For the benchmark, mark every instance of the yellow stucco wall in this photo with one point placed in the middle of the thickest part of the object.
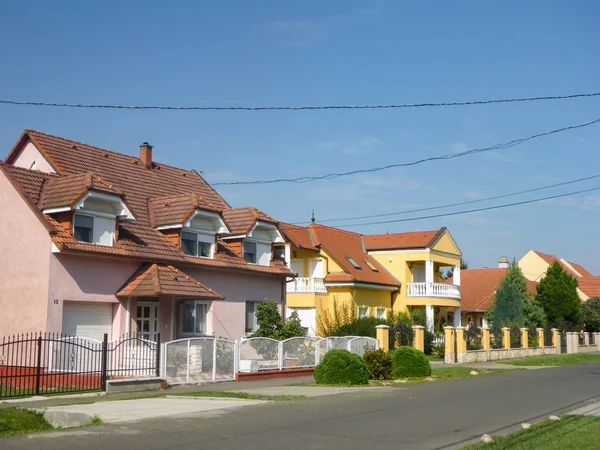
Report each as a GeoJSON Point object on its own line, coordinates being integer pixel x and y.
{"type": "Point", "coordinates": [447, 245]}
{"type": "Point", "coordinates": [305, 256]}
{"type": "Point", "coordinates": [532, 266]}
{"type": "Point", "coordinates": [306, 300]}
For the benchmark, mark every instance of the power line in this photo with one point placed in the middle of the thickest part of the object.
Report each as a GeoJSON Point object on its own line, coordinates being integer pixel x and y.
{"type": "Point", "coordinates": [469, 202]}
{"type": "Point", "coordinates": [330, 176]}
{"type": "Point", "coordinates": [468, 211]}
{"type": "Point", "coordinates": [296, 108]}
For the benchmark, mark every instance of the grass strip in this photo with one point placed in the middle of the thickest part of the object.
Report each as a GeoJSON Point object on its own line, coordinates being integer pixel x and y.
{"type": "Point", "coordinates": [21, 421]}
{"type": "Point", "coordinates": [555, 360]}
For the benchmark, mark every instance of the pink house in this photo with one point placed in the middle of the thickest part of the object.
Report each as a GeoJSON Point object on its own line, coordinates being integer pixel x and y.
{"type": "Point", "coordinates": [98, 242]}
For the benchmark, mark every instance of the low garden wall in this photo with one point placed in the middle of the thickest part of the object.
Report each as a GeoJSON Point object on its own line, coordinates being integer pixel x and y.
{"type": "Point", "coordinates": [472, 356]}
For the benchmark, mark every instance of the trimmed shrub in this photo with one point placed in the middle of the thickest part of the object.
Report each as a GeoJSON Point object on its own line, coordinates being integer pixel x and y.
{"type": "Point", "coordinates": [410, 363]}
{"type": "Point", "coordinates": [365, 326]}
{"type": "Point", "coordinates": [380, 364]}
{"type": "Point", "coordinates": [342, 367]}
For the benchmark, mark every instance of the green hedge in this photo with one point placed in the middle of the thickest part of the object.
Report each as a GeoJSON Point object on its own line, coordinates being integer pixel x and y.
{"type": "Point", "coordinates": [342, 367]}
{"type": "Point", "coordinates": [410, 363]}
{"type": "Point", "coordinates": [380, 364]}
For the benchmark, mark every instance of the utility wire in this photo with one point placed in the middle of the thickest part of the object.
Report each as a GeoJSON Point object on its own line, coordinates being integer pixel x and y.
{"type": "Point", "coordinates": [297, 108]}
{"type": "Point", "coordinates": [330, 176]}
{"type": "Point", "coordinates": [469, 202]}
{"type": "Point", "coordinates": [457, 213]}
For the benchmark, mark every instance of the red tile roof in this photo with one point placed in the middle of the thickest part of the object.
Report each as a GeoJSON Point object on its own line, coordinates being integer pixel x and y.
{"type": "Point", "coordinates": [299, 236]}
{"type": "Point", "coordinates": [341, 245]}
{"type": "Point", "coordinates": [590, 286]}
{"type": "Point", "coordinates": [137, 239]}
{"type": "Point", "coordinates": [176, 209]}
{"type": "Point", "coordinates": [477, 288]}
{"type": "Point", "coordinates": [397, 241]}
{"type": "Point", "coordinates": [152, 280]}
{"type": "Point", "coordinates": [581, 270]}
{"type": "Point", "coordinates": [549, 259]}
{"type": "Point", "coordinates": [242, 220]}
{"type": "Point", "coordinates": [68, 190]}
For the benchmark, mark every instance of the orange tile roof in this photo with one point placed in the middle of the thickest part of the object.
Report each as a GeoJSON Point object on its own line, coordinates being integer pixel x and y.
{"type": "Point", "coordinates": [397, 241]}
{"type": "Point", "coordinates": [581, 270]}
{"type": "Point", "coordinates": [340, 245]}
{"type": "Point", "coordinates": [297, 235]}
{"type": "Point", "coordinates": [68, 190]}
{"type": "Point", "coordinates": [242, 220]}
{"type": "Point", "coordinates": [137, 239]}
{"type": "Point", "coordinates": [176, 209]}
{"type": "Point", "coordinates": [158, 279]}
{"type": "Point", "coordinates": [549, 259]}
{"type": "Point", "coordinates": [477, 288]}
{"type": "Point", "coordinates": [590, 286]}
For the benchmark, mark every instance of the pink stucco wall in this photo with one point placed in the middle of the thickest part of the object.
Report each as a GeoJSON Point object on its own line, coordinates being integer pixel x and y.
{"type": "Point", "coordinates": [30, 154]}
{"type": "Point", "coordinates": [25, 247]}
{"type": "Point", "coordinates": [227, 317]}
{"type": "Point", "coordinates": [87, 279]}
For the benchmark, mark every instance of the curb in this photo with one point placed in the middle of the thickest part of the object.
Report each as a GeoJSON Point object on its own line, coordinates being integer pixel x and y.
{"type": "Point", "coordinates": [65, 419]}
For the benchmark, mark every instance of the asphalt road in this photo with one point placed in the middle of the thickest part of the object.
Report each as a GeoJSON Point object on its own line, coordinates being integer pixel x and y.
{"type": "Point", "coordinates": [430, 416]}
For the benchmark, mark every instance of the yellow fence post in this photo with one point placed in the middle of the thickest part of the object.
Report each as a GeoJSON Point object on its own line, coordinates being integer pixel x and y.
{"type": "Point", "coordinates": [541, 337]}
{"type": "Point", "coordinates": [524, 338]}
{"type": "Point", "coordinates": [449, 338]}
{"type": "Point", "coordinates": [383, 337]}
{"type": "Point", "coordinates": [419, 337]}
{"type": "Point", "coordinates": [555, 340]}
{"type": "Point", "coordinates": [506, 338]}
{"type": "Point", "coordinates": [485, 338]}
{"type": "Point", "coordinates": [461, 343]}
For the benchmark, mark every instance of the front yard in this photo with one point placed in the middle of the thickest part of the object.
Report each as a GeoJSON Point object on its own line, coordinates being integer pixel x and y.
{"type": "Point", "coordinates": [20, 421]}
{"type": "Point", "coordinates": [556, 360]}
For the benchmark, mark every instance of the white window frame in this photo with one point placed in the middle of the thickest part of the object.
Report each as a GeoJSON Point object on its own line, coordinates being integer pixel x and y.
{"type": "Point", "coordinates": [379, 310]}
{"type": "Point", "coordinates": [258, 254]}
{"type": "Point", "coordinates": [363, 311]}
{"type": "Point", "coordinates": [94, 216]}
{"type": "Point", "coordinates": [208, 304]}
{"type": "Point", "coordinates": [255, 302]}
{"type": "Point", "coordinates": [201, 237]}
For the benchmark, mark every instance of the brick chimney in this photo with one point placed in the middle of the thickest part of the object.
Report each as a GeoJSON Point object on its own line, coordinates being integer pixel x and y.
{"type": "Point", "coordinates": [146, 155]}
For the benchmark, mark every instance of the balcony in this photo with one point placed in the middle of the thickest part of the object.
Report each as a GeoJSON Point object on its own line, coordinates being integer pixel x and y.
{"type": "Point", "coordinates": [306, 286]}
{"type": "Point", "coordinates": [440, 290]}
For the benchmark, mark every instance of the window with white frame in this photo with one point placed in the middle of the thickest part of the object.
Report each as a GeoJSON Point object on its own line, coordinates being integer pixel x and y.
{"type": "Point", "coordinates": [251, 323]}
{"type": "Point", "coordinates": [197, 244]}
{"type": "Point", "coordinates": [94, 229]}
{"type": "Point", "coordinates": [256, 252]}
{"type": "Point", "coordinates": [363, 311]}
{"type": "Point", "coordinates": [193, 317]}
{"type": "Point", "coordinates": [381, 313]}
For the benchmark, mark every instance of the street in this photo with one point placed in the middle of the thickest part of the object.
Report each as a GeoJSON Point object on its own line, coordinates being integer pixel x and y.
{"type": "Point", "coordinates": [430, 416]}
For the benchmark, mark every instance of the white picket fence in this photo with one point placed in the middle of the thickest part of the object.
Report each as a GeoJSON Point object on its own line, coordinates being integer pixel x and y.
{"type": "Point", "coordinates": [197, 360]}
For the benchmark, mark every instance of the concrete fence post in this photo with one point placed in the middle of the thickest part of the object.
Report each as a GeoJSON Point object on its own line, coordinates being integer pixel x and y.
{"type": "Point", "coordinates": [461, 343]}
{"type": "Point", "coordinates": [541, 338]}
{"type": "Point", "coordinates": [449, 340]}
{"type": "Point", "coordinates": [572, 342]}
{"type": "Point", "coordinates": [419, 337]}
{"type": "Point", "coordinates": [383, 337]}
{"type": "Point", "coordinates": [485, 338]}
{"type": "Point", "coordinates": [506, 338]}
{"type": "Point", "coordinates": [524, 338]}
{"type": "Point", "coordinates": [586, 339]}
{"type": "Point", "coordinates": [597, 340]}
{"type": "Point", "coordinates": [555, 339]}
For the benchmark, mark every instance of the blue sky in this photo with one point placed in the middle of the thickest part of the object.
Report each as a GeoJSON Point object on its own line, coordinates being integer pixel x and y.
{"type": "Point", "coordinates": [334, 52]}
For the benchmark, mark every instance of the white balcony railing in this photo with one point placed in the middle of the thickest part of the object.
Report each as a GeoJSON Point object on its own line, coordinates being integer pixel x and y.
{"type": "Point", "coordinates": [306, 286]}
{"type": "Point", "coordinates": [432, 290]}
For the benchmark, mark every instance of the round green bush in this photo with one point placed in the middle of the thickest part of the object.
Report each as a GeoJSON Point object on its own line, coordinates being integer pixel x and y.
{"type": "Point", "coordinates": [342, 367]}
{"type": "Point", "coordinates": [410, 363]}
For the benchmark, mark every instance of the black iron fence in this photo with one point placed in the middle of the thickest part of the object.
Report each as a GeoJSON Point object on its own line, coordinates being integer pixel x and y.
{"type": "Point", "coordinates": [548, 333]}
{"type": "Point", "coordinates": [401, 335]}
{"type": "Point", "coordinates": [50, 363]}
{"type": "Point", "coordinates": [473, 338]}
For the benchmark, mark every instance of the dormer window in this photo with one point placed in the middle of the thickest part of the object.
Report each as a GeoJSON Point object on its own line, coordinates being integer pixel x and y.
{"type": "Point", "coordinates": [250, 251]}
{"type": "Point", "coordinates": [83, 228]}
{"type": "Point", "coordinates": [197, 244]}
{"type": "Point", "coordinates": [94, 229]}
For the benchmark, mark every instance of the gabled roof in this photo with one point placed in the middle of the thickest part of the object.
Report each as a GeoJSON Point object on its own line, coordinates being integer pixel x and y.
{"type": "Point", "coordinates": [176, 209]}
{"type": "Point", "coordinates": [549, 259]}
{"type": "Point", "coordinates": [341, 245]}
{"type": "Point", "coordinates": [400, 241]}
{"type": "Point", "coordinates": [590, 286]}
{"type": "Point", "coordinates": [297, 235]}
{"type": "Point", "coordinates": [152, 280]}
{"type": "Point", "coordinates": [582, 271]}
{"type": "Point", "coordinates": [123, 173]}
{"type": "Point", "coordinates": [477, 288]}
{"type": "Point", "coordinates": [68, 190]}
{"type": "Point", "coordinates": [241, 220]}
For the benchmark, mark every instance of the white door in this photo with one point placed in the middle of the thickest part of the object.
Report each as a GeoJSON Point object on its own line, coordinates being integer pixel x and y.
{"type": "Point", "coordinates": [147, 320]}
{"type": "Point", "coordinates": [297, 266]}
{"type": "Point", "coordinates": [87, 319]}
{"type": "Point", "coordinates": [316, 268]}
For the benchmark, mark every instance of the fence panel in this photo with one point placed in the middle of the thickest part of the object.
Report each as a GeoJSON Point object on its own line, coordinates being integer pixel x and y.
{"type": "Point", "coordinates": [548, 337]}
{"type": "Point", "coordinates": [299, 352]}
{"type": "Point", "coordinates": [563, 342]}
{"type": "Point", "coordinates": [258, 354]}
{"type": "Point", "coordinates": [197, 360]}
{"type": "Point", "coordinates": [337, 343]}
{"type": "Point", "coordinates": [473, 338]}
{"type": "Point", "coordinates": [132, 357]}
{"type": "Point", "coordinates": [359, 345]}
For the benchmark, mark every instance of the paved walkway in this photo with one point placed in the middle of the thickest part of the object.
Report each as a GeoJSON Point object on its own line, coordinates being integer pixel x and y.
{"type": "Point", "coordinates": [592, 409]}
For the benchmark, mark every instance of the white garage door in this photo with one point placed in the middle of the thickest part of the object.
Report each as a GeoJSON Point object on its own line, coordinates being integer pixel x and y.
{"type": "Point", "coordinates": [85, 319]}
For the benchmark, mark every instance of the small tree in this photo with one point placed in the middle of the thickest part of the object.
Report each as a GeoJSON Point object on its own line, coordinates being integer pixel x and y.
{"type": "Point", "coordinates": [270, 324]}
{"type": "Point", "coordinates": [508, 306]}
{"type": "Point", "coordinates": [590, 314]}
{"type": "Point", "coordinates": [557, 293]}
{"type": "Point", "coordinates": [342, 313]}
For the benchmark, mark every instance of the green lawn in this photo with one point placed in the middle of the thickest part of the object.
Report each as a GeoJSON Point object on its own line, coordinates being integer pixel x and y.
{"type": "Point", "coordinates": [570, 433]}
{"type": "Point", "coordinates": [434, 358]}
{"type": "Point", "coordinates": [21, 421]}
{"type": "Point", "coordinates": [556, 360]}
{"type": "Point", "coordinates": [242, 395]}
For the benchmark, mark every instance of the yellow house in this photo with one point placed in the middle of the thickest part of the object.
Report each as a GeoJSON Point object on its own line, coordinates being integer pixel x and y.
{"type": "Point", "coordinates": [383, 274]}
{"type": "Point", "coordinates": [534, 265]}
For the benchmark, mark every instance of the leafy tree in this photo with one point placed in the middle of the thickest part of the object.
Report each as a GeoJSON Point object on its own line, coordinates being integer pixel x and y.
{"type": "Point", "coordinates": [341, 313]}
{"type": "Point", "coordinates": [533, 314]}
{"type": "Point", "coordinates": [557, 293]}
{"type": "Point", "coordinates": [270, 324]}
{"type": "Point", "coordinates": [590, 314]}
{"type": "Point", "coordinates": [508, 306]}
